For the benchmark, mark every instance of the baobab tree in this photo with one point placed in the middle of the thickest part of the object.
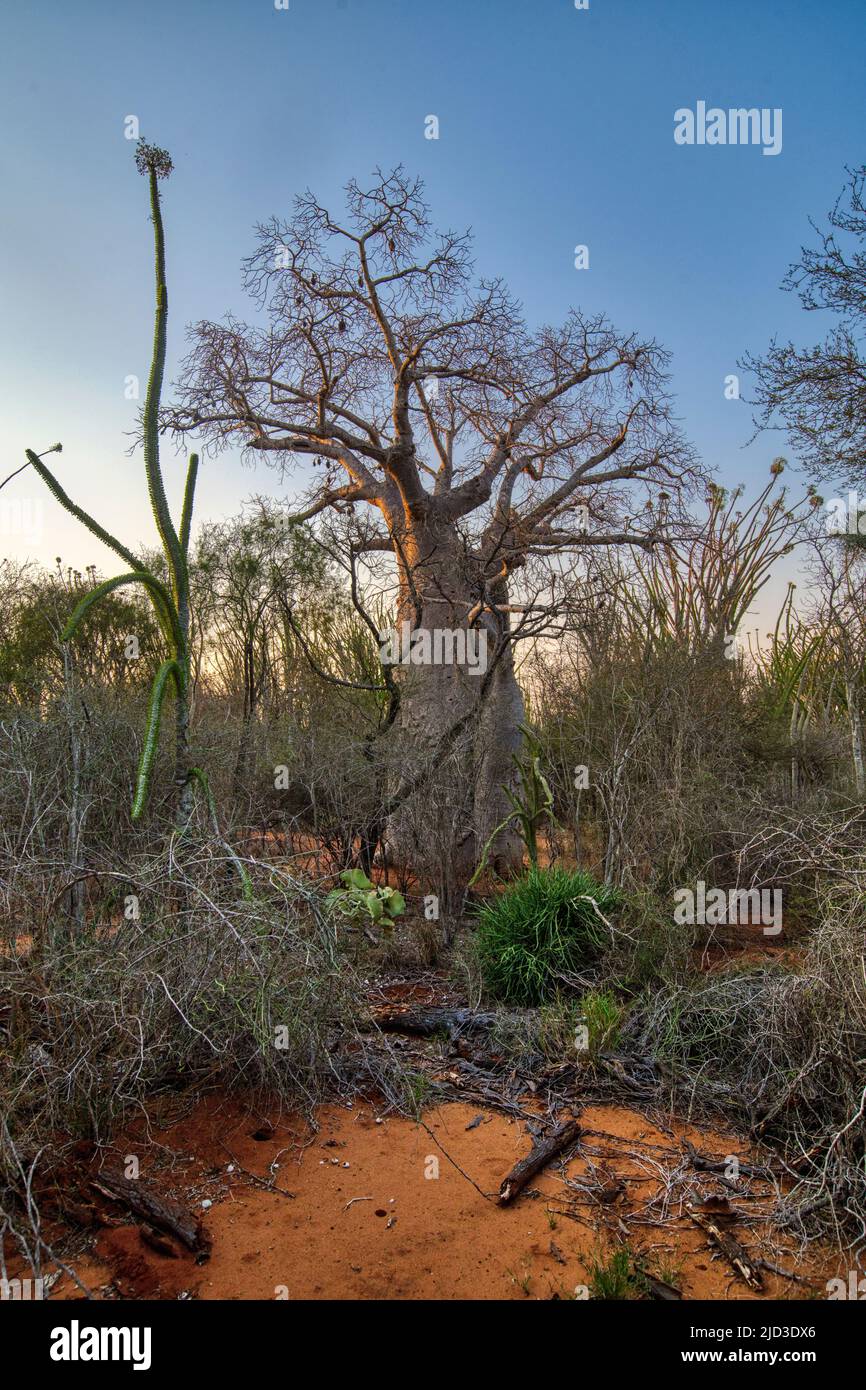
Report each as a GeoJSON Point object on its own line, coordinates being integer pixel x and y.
{"type": "Point", "coordinates": [481, 455]}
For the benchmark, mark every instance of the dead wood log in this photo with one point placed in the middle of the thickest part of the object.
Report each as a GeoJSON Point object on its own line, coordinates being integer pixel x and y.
{"type": "Point", "coordinates": [719, 1165]}
{"type": "Point", "coordinates": [660, 1290]}
{"type": "Point", "coordinates": [543, 1150]}
{"type": "Point", "coordinates": [161, 1212]}
{"type": "Point", "coordinates": [634, 1074]}
{"type": "Point", "coordinates": [424, 1023]}
{"type": "Point", "coordinates": [730, 1248]}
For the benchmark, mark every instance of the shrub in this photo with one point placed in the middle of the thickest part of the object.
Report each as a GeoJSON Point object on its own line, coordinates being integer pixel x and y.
{"type": "Point", "coordinates": [779, 1047]}
{"type": "Point", "coordinates": [360, 900]}
{"type": "Point", "coordinates": [204, 990]}
{"type": "Point", "coordinates": [556, 1034]}
{"type": "Point", "coordinates": [656, 948]}
{"type": "Point", "coordinates": [588, 1025]}
{"type": "Point", "coordinates": [539, 931]}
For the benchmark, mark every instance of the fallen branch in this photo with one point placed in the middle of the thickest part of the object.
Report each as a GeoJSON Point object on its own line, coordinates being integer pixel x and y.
{"type": "Point", "coordinates": [542, 1153]}
{"type": "Point", "coordinates": [425, 1023]}
{"type": "Point", "coordinates": [659, 1288]}
{"type": "Point", "coordinates": [254, 1177]}
{"type": "Point", "coordinates": [782, 1273]}
{"type": "Point", "coordinates": [640, 1080]}
{"type": "Point", "coordinates": [730, 1248]}
{"type": "Point", "coordinates": [720, 1165]}
{"type": "Point", "coordinates": [151, 1236]}
{"type": "Point", "coordinates": [160, 1212]}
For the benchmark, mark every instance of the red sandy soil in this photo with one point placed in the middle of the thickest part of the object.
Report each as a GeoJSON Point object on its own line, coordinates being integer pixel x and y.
{"type": "Point", "coordinates": [411, 1236]}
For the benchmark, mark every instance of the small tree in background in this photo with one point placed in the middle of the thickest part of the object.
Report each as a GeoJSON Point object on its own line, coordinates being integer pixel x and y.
{"type": "Point", "coordinates": [818, 394]}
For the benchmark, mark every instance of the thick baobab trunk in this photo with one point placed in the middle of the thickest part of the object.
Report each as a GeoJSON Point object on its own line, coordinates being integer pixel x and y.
{"type": "Point", "coordinates": [458, 726]}
{"type": "Point", "coordinates": [499, 741]}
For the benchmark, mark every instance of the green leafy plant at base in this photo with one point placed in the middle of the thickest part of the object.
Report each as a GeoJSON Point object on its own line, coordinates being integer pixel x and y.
{"type": "Point", "coordinates": [532, 804]}
{"type": "Point", "coordinates": [558, 1022]}
{"type": "Point", "coordinates": [361, 900]}
{"type": "Point", "coordinates": [419, 1089]}
{"type": "Point", "coordinates": [539, 930]}
{"type": "Point", "coordinates": [170, 600]}
{"type": "Point", "coordinates": [591, 1024]}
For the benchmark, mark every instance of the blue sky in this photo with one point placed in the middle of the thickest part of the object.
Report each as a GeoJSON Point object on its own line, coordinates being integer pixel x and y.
{"type": "Point", "coordinates": [556, 128]}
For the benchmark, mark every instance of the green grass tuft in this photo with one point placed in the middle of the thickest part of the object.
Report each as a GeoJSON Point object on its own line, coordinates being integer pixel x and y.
{"type": "Point", "coordinates": [612, 1275]}
{"type": "Point", "coordinates": [540, 930]}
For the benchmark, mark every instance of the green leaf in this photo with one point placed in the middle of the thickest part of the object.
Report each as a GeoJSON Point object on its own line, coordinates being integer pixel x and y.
{"type": "Point", "coordinates": [394, 902]}
{"type": "Point", "coordinates": [356, 878]}
{"type": "Point", "coordinates": [374, 905]}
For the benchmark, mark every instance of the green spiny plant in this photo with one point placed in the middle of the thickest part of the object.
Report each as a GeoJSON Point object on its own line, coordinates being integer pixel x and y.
{"type": "Point", "coordinates": [170, 601]}
{"type": "Point", "coordinates": [532, 804]}
{"type": "Point", "coordinates": [698, 588]}
{"type": "Point", "coordinates": [792, 675]}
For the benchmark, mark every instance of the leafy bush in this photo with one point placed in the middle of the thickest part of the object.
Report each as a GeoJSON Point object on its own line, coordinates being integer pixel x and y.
{"type": "Point", "coordinates": [540, 930]}
{"type": "Point", "coordinates": [361, 901]}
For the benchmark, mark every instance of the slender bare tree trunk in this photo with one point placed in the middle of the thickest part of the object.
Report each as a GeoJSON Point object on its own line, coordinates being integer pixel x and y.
{"type": "Point", "coordinates": [855, 723]}
{"type": "Point", "coordinates": [75, 813]}
{"type": "Point", "coordinates": [795, 761]}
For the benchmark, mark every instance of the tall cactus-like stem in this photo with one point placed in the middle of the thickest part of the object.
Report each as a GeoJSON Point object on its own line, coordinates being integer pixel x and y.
{"type": "Point", "coordinates": [157, 165]}
{"type": "Point", "coordinates": [171, 603]}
